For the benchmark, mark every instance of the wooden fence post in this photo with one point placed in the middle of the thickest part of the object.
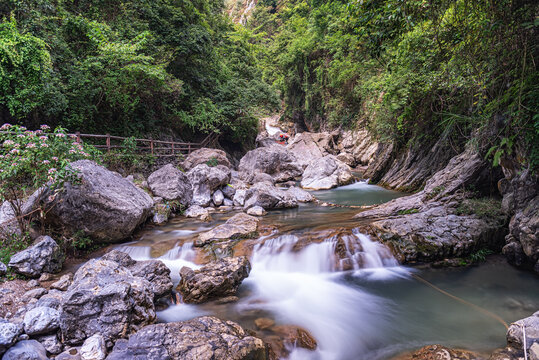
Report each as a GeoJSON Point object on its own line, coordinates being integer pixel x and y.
{"type": "Point", "coordinates": [173, 150]}
{"type": "Point", "coordinates": [108, 142]}
{"type": "Point", "coordinates": [151, 146]}
{"type": "Point", "coordinates": [77, 134]}
{"type": "Point", "coordinates": [189, 149]}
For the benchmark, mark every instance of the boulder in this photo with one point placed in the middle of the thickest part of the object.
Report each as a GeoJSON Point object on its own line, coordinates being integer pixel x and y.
{"type": "Point", "coordinates": [326, 173]}
{"type": "Point", "coordinates": [205, 180]}
{"type": "Point", "coordinates": [93, 348]}
{"type": "Point", "coordinates": [276, 161]}
{"type": "Point", "coordinates": [8, 221]}
{"type": "Point", "coordinates": [9, 334]}
{"type": "Point", "coordinates": [256, 211]}
{"type": "Point", "coordinates": [347, 158]}
{"type": "Point", "coordinates": [308, 147]}
{"type": "Point", "coordinates": [515, 334]}
{"type": "Point", "coordinates": [206, 156]}
{"type": "Point", "coordinates": [41, 320]}
{"type": "Point", "coordinates": [104, 206]}
{"type": "Point", "coordinates": [26, 350]}
{"type": "Point", "coordinates": [300, 195]}
{"type": "Point", "coordinates": [239, 226]}
{"type": "Point", "coordinates": [44, 256]}
{"type": "Point", "coordinates": [229, 191]}
{"type": "Point", "coordinates": [51, 343]}
{"type": "Point", "coordinates": [170, 183]}
{"type": "Point", "coordinates": [268, 196]}
{"type": "Point", "coordinates": [438, 352]}
{"type": "Point", "coordinates": [216, 279]}
{"type": "Point", "coordinates": [289, 337]}
{"type": "Point", "coordinates": [155, 271]}
{"type": "Point", "coordinates": [196, 211]}
{"type": "Point", "coordinates": [105, 298]}
{"type": "Point", "coordinates": [261, 177]}
{"type": "Point", "coordinates": [218, 198]}
{"type": "Point", "coordinates": [52, 299]}
{"type": "Point", "coordinates": [200, 338]}
{"type": "Point", "coordinates": [239, 197]}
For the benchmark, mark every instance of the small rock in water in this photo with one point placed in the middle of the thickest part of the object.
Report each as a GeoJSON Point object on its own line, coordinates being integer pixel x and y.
{"type": "Point", "coordinates": [256, 211]}
{"type": "Point", "coordinates": [264, 323]}
{"type": "Point", "coordinates": [93, 348]}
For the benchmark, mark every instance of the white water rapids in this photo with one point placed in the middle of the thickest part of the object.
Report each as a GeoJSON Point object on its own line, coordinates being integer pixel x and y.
{"type": "Point", "coordinates": [306, 288]}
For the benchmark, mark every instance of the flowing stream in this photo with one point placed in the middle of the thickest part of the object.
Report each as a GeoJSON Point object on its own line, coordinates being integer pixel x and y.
{"type": "Point", "coordinates": [362, 305]}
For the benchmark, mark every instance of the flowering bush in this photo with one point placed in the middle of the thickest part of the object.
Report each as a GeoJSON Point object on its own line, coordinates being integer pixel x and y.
{"type": "Point", "coordinates": [31, 159]}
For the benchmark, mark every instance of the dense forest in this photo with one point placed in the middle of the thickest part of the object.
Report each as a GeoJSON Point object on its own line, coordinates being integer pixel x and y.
{"type": "Point", "coordinates": [410, 71]}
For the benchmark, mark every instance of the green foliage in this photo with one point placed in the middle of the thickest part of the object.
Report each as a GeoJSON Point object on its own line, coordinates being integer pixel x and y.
{"type": "Point", "coordinates": [212, 162]}
{"type": "Point", "coordinates": [12, 244]}
{"type": "Point", "coordinates": [409, 70]}
{"type": "Point", "coordinates": [130, 68]}
{"type": "Point", "coordinates": [408, 211]}
{"type": "Point", "coordinates": [485, 208]}
{"type": "Point", "coordinates": [480, 255]}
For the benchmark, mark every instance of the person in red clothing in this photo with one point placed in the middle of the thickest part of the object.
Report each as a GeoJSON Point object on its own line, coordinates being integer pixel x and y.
{"type": "Point", "coordinates": [283, 139]}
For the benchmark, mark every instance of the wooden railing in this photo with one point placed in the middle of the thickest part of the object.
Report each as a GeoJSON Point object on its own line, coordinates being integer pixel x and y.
{"type": "Point", "coordinates": [159, 148]}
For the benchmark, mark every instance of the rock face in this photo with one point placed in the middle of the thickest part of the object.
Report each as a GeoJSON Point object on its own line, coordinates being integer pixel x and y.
{"type": "Point", "coordinates": [155, 271]}
{"type": "Point", "coordinates": [326, 173]}
{"type": "Point", "coordinates": [276, 161]}
{"type": "Point", "coordinates": [8, 221]}
{"type": "Point", "coordinates": [521, 202]}
{"type": "Point", "coordinates": [307, 146]}
{"type": "Point", "coordinates": [9, 333]}
{"type": "Point", "coordinates": [205, 156]}
{"type": "Point", "coordinates": [26, 350]}
{"type": "Point", "coordinates": [41, 320]}
{"type": "Point", "coordinates": [44, 256]}
{"type": "Point", "coordinates": [105, 298]}
{"type": "Point", "coordinates": [105, 206]}
{"type": "Point", "coordinates": [201, 338]}
{"type": "Point", "coordinates": [205, 180]}
{"type": "Point", "coordinates": [239, 226]}
{"type": "Point", "coordinates": [170, 183]}
{"type": "Point", "coordinates": [429, 226]}
{"type": "Point", "coordinates": [219, 278]}
{"type": "Point", "coordinates": [268, 196]}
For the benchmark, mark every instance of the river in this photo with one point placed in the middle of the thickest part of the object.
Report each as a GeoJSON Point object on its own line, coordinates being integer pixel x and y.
{"type": "Point", "coordinates": [368, 308]}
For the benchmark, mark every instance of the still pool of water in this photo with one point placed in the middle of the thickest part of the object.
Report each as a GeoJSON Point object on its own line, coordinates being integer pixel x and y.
{"type": "Point", "coordinates": [371, 313]}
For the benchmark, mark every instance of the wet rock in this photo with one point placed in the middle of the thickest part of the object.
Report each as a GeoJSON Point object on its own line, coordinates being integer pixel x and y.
{"type": "Point", "coordinates": [93, 348]}
{"type": "Point", "coordinates": [268, 196]}
{"type": "Point", "coordinates": [200, 338]}
{"type": "Point", "coordinates": [8, 221]}
{"type": "Point", "coordinates": [62, 283]}
{"type": "Point", "coordinates": [160, 213]}
{"type": "Point", "coordinates": [515, 333]}
{"type": "Point", "coordinates": [51, 344]}
{"type": "Point", "coordinates": [227, 300]}
{"type": "Point", "coordinates": [218, 197]}
{"type": "Point", "coordinates": [26, 350]}
{"type": "Point", "coordinates": [289, 336]}
{"type": "Point", "coordinates": [155, 271]}
{"type": "Point", "coordinates": [276, 161]}
{"type": "Point", "coordinates": [41, 320]}
{"type": "Point", "coordinates": [326, 173]}
{"type": "Point", "coordinates": [256, 211]}
{"type": "Point", "coordinates": [105, 298]}
{"type": "Point", "coordinates": [438, 352]}
{"type": "Point", "coordinates": [206, 156]}
{"type": "Point", "coordinates": [216, 279]}
{"type": "Point", "coordinates": [196, 211]}
{"type": "Point", "coordinates": [44, 256]}
{"type": "Point", "coordinates": [104, 206]}
{"type": "Point", "coordinates": [239, 226]}
{"type": "Point", "coordinates": [205, 180]}
{"type": "Point", "coordinates": [300, 195]}
{"type": "Point", "coordinates": [228, 203]}
{"type": "Point", "coordinates": [9, 333]}
{"type": "Point", "coordinates": [264, 323]}
{"type": "Point", "coordinates": [170, 183]}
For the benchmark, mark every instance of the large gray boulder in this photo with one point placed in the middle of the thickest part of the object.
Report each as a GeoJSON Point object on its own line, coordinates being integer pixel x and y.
{"type": "Point", "coordinates": [515, 333]}
{"type": "Point", "coordinates": [9, 333]}
{"type": "Point", "coordinates": [300, 195]}
{"type": "Point", "coordinates": [155, 271]}
{"type": "Point", "coordinates": [8, 221]}
{"type": "Point", "coordinates": [170, 183]}
{"type": "Point", "coordinates": [238, 226]}
{"type": "Point", "coordinates": [308, 147]}
{"type": "Point", "coordinates": [105, 298]}
{"type": "Point", "coordinates": [326, 173]}
{"type": "Point", "coordinates": [204, 337]}
{"type": "Point", "coordinates": [206, 156]}
{"type": "Point", "coordinates": [276, 161]}
{"type": "Point", "coordinates": [205, 180]}
{"type": "Point", "coordinates": [268, 196]}
{"type": "Point", "coordinates": [26, 350]}
{"type": "Point", "coordinates": [41, 320]}
{"type": "Point", "coordinates": [104, 206]}
{"type": "Point", "coordinates": [45, 256]}
{"type": "Point", "coordinates": [216, 279]}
